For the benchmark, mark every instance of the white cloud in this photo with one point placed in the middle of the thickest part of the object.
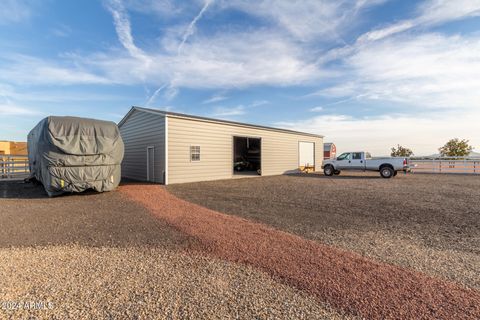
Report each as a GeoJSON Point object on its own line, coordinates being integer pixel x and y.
{"type": "Point", "coordinates": [226, 112]}
{"type": "Point", "coordinates": [316, 109]}
{"type": "Point", "coordinates": [155, 94]}
{"type": "Point", "coordinates": [171, 91]}
{"type": "Point", "coordinates": [431, 12]}
{"type": "Point", "coordinates": [23, 69]}
{"type": "Point", "coordinates": [122, 27]}
{"type": "Point", "coordinates": [14, 11]}
{"type": "Point", "coordinates": [163, 8]}
{"type": "Point", "coordinates": [225, 61]}
{"type": "Point", "coordinates": [423, 133]}
{"type": "Point", "coordinates": [124, 33]}
{"type": "Point", "coordinates": [439, 11]}
{"type": "Point", "coordinates": [14, 110]}
{"type": "Point", "coordinates": [387, 31]}
{"type": "Point", "coordinates": [219, 61]}
{"type": "Point", "coordinates": [61, 31]}
{"type": "Point", "coordinates": [306, 20]}
{"type": "Point", "coordinates": [191, 27]}
{"type": "Point", "coordinates": [215, 98]}
{"type": "Point", "coordinates": [410, 70]}
{"type": "Point", "coordinates": [427, 71]}
{"type": "Point", "coordinates": [221, 112]}
{"type": "Point", "coordinates": [258, 103]}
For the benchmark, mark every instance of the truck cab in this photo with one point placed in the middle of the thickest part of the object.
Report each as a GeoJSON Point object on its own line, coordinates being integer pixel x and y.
{"type": "Point", "coordinates": [352, 160]}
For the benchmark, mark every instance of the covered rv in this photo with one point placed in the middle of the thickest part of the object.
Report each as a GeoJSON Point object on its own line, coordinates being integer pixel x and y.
{"type": "Point", "coordinates": [70, 154]}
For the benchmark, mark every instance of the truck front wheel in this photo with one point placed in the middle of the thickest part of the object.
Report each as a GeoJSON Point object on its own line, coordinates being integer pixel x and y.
{"type": "Point", "coordinates": [386, 172]}
{"type": "Point", "coordinates": [328, 171]}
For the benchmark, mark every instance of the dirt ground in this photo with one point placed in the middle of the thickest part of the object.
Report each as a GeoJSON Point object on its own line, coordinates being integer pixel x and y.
{"type": "Point", "coordinates": [141, 251]}
{"type": "Point", "coordinates": [102, 256]}
{"type": "Point", "coordinates": [343, 279]}
{"type": "Point", "coordinates": [430, 223]}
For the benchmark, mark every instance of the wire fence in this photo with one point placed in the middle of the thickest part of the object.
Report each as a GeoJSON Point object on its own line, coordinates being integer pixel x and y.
{"type": "Point", "coordinates": [14, 167]}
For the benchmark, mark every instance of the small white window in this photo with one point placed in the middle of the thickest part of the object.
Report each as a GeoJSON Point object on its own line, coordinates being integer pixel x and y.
{"type": "Point", "coordinates": [194, 153]}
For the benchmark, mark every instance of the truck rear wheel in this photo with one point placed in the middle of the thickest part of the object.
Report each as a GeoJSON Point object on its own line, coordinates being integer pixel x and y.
{"type": "Point", "coordinates": [386, 172]}
{"type": "Point", "coordinates": [328, 171]}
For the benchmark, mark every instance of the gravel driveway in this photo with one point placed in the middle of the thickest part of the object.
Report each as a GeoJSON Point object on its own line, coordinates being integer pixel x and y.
{"type": "Point", "coordinates": [430, 223]}
{"type": "Point", "coordinates": [345, 280]}
{"type": "Point", "coordinates": [142, 252]}
{"type": "Point", "coordinates": [102, 256]}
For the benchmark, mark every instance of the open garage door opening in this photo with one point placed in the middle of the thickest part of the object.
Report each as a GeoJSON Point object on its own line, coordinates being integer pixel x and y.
{"type": "Point", "coordinates": [247, 156]}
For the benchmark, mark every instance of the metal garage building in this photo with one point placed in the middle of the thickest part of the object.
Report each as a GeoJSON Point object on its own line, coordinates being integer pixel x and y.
{"type": "Point", "coordinates": [167, 147]}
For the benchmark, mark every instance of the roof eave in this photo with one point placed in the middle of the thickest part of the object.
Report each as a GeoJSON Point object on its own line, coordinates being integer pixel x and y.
{"type": "Point", "coordinates": [193, 117]}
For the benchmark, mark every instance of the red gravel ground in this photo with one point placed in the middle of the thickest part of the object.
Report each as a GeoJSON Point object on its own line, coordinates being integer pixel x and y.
{"type": "Point", "coordinates": [343, 279]}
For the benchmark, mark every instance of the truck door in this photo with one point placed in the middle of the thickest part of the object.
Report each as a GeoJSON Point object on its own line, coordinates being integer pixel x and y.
{"type": "Point", "coordinates": [357, 162]}
{"type": "Point", "coordinates": [343, 161]}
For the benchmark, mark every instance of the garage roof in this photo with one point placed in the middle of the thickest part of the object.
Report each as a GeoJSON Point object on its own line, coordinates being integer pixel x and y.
{"type": "Point", "coordinates": [205, 119]}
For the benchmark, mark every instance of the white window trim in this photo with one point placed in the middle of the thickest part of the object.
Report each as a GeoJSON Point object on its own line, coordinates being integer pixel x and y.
{"type": "Point", "coordinates": [199, 153]}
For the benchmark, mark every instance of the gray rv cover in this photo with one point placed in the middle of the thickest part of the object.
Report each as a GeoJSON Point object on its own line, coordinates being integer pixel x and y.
{"type": "Point", "coordinates": [69, 154]}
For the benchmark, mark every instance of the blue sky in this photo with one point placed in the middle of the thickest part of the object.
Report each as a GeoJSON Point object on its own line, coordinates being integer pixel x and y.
{"type": "Point", "coordinates": [367, 74]}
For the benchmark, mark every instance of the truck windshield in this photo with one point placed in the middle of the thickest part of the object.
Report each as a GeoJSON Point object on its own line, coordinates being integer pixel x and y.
{"type": "Point", "coordinates": [343, 156]}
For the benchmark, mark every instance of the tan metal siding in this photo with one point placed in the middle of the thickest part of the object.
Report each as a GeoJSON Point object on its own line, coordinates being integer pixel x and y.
{"type": "Point", "coordinates": [139, 131]}
{"type": "Point", "coordinates": [279, 150]}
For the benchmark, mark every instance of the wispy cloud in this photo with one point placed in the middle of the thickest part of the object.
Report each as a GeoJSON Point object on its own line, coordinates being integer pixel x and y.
{"type": "Point", "coordinates": [61, 31]}
{"type": "Point", "coordinates": [215, 98]}
{"type": "Point", "coordinates": [23, 69]}
{"type": "Point", "coordinates": [316, 109]}
{"type": "Point", "coordinates": [225, 112]}
{"type": "Point", "coordinates": [258, 103]}
{"type": "Point", "coordinates": [14, 11]}
{"type": "Point", "coordinates": [124, 31]}
{"type": "Point", "coordinates": [221, 112]}
{"type": "Point", "coordinates": [153, 97]}
{"type": "Point", "coordinates": [191, 27]}
{"type": "Point", "coordinates": [220, 61]}
{"type": "Point", "coordinates": [171, 90]}
{"type": "Point", "coordinates": [14, 110]}
{"type": "Point", "coordinates": [431, 12]}
{"type": "Point", "coordinates": [319, 19]}
{"type": "Point", "coordinates": [413, 71]}
{"type": "Point", "coordinates": [440, 11]}
{"type": "Point", "coordinates": [387, 31]}
{"type": "Point", "coordinates": [163, 8]}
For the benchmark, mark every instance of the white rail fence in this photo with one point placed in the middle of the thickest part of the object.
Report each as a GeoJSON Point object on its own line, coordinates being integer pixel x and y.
{"type": "Point", "coordinates": [446, 165]}
{"type": "Point", "coordinates": [13, 167]}
{"type": "Point", "coordinates": [16, 166]}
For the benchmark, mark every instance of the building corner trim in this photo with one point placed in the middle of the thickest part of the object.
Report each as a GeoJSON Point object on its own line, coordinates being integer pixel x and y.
{"type": "Point", "coordinates": [166, 151]}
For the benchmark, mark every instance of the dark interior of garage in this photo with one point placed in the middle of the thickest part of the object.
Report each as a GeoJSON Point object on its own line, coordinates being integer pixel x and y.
{"type": "Point", "coordinates": [247, 155]}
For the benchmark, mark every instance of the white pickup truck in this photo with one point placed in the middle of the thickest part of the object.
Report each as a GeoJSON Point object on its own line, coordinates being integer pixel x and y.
{"type": "Point", "coordinates": [363, 161]}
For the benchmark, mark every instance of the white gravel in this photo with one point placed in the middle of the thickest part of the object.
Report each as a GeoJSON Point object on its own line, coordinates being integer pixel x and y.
{"type": "Point", "coordinates": [144, 283]}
